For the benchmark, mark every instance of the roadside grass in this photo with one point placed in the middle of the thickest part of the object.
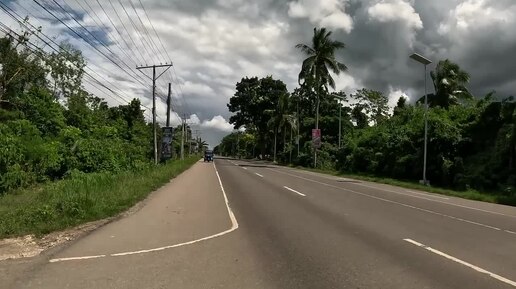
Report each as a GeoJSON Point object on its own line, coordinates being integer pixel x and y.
{"type": "Point", "coordinates": [468, 194]}
{"type": "Point", "coordinates": [81, 198]}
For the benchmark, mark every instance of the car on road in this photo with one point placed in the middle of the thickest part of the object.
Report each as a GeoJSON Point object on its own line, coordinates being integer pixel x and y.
{"type": "Point", "coordinates": [208, 156]}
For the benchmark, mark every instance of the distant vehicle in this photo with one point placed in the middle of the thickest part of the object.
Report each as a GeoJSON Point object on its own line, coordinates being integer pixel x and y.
{"type": "Point", "coordinates": [208, 156]}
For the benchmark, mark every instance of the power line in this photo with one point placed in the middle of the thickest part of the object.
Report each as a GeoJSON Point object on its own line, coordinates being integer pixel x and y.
{"type": "Point", "coordinates": [154, 46]}
{"type": "Point", "coordinates": [37, 51]}
{"type": "Point", "coordinates": [118, 31]}
{"type": "Point", "coordinates": [137, 30]}
{"type": "Point", "coordinates": [94, 37]}
{"type": "Point", "coordinates": [99, 25]}
{"type": "Point", "coordinates": [154, 29]}
{"type": "Point", "coordinates": [3, 7]}
{"type": "Point", "coordinates": [80, 36]}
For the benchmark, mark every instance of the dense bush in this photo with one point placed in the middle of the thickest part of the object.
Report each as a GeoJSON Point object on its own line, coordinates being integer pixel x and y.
{"type": "Point", "coordinates": [51, 128]}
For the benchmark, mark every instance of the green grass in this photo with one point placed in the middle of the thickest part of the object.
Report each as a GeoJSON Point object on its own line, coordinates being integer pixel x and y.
{"type": "Point", "coordinates": [468, 194]}
{"type": "Point", "coordinates": [80, 199]}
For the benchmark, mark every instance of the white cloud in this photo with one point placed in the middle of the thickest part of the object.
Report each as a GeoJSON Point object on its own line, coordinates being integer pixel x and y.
{"type": "Point", "coordinates": [328, 13]}
{"type": "Point", "coordinates": [347, 83]}
{"type": "Point", "coordinates": [197, 88]}
{"type": "Point", "coordinates": [218, 122]}
{"type": "Point", "coordinates": [470, 15]}
{"type": "Point", "coordinates": [193, 120]}
{"type": "Point", "coordinates": [395, 94]}
{"type": "Point", "coordinates": [395, 10]}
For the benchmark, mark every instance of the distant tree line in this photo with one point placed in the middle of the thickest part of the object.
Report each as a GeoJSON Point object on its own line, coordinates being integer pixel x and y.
{"type": "Point", "coordinates": [472, 140]}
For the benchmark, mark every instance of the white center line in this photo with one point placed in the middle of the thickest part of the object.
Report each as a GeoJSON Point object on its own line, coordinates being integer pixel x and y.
{"type": "Point", "coordinates": [244, 168]}
{"type": "Point", "coordinates": [476, 268]}
{"type": "Point", "coordinates": [292, 190]}
{"type": "Point", "coordinates": [258, 175]}
{"type": "Point", "coordinates": [510, 232]}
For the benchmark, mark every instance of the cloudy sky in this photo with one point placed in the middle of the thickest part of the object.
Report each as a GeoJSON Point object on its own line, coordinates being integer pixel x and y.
{"type": "Point", "coordinates": [214, 43]}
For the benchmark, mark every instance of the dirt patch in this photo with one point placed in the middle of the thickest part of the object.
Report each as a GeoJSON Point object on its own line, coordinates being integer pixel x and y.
{"type": "Point", "coordinates": [30, 246]}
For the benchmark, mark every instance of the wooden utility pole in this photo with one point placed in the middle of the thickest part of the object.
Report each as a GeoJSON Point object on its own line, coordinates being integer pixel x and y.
{"type": "Point", "coordinates": [154, 78]}
{"type": "Point", "coordinates": [183, 123]}
{"type": "Point", "coordinates": [168, 103]}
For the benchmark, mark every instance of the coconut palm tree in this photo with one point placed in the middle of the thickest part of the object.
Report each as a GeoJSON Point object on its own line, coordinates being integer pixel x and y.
{"type": "Point", "coordinates": [320, 61]}
{"type": "Point", "coordinates": [449, 83]}
{"type": "Point", "coordinates": [201, 145]}
{"type": "Point", "coordinates": [279, 118]}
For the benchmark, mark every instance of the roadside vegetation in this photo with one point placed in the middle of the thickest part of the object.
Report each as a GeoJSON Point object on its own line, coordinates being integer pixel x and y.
{"type": "Point", "coordinates": [66, 156]}
{"type": "Point", "coordinates": [81, 198]}
{"type": "Point", "coordinates": [472, 139]}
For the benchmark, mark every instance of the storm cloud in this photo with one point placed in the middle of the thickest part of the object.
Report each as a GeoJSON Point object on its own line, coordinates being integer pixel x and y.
{"type": "Point", "coordinates": [213, 44]}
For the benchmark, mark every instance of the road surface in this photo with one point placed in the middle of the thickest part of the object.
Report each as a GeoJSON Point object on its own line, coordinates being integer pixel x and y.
{"type": "Point", "coordinates": [238, 224]}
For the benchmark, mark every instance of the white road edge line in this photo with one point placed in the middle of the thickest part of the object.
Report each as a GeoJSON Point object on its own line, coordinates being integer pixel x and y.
{"type": "Point", "coordinates": [234, 226]}
{"type": "Point", "coordinates": [476, 268]}
{"type": "Point", "coordinates": [292, 190]}
{"type": "Point", "coordinates": [76, 258]}
{"type": "Point", "coordinates": [261, 176]}
{"type": "Point", "coordinates": [429, 195]}
{"type": "Point", "coordinates": [392, 202]}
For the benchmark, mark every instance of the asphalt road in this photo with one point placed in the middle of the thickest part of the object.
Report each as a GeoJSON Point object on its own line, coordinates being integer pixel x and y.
{"type": "Point", "coordinates": [239, 224]}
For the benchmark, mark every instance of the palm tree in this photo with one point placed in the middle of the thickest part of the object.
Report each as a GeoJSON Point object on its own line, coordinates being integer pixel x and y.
{"type": "Point", "coordinates": [316, 68]}
{"type": "Point", "coordinates": [201, 145]}
{"type": "Point", "coordinates": [449, 83]}
{"type": "Point", "coordinates": [278, 119]}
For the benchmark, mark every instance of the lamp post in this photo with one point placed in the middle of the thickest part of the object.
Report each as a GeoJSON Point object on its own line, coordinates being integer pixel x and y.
{"type": "Point", "coordinates": [340, 99]}
{"type": "Point", "coordinates": [425, 61]}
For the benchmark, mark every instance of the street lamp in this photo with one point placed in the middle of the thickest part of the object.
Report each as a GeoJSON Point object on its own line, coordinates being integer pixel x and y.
{"type": "Point", "coordinates": [425, 61]}
{"type": "Point", "coordinates": [340, 99]}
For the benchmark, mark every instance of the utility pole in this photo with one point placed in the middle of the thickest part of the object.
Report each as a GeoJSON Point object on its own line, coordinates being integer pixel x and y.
{"type": "Point", "coordinates": [183, 121]}
{"type": "Point", "coordinates": [168, 103]}
{"type": "Point", "coordinates": [189, 139]}
{"type": "Point", "coordinates": [298, 125]}
{"type": "Point", "coordinates": [154, 78]}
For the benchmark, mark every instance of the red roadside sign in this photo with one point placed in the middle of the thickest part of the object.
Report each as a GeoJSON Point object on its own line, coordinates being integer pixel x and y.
{"type": "Point", "coordinates": [316, 138]}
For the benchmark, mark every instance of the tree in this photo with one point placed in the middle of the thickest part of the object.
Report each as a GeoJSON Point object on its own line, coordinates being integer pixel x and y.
{"type": "Point", "coordinates": [278, 118]}
{"type": "Point", "coordinates": [20, 69]}
{"type": "Point", "coordinates": [315, 71]}
{"type": "Point", "coordinates": [254, 97]}
{"type": "Point", "coordinates": [400, 105]}
{"type": "Point", "coordinates": [374, 103]}
{"type": "Point", "coordinates": [449, 82]}
{"type": "Point", "coordinates": [66, 69]}
{"type": "Point", "coordinates": [358, 115]}
{"type": "Point", "coordinates": [202, 145]}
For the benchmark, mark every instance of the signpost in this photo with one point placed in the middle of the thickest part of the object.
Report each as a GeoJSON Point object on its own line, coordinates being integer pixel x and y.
{"type": "Point", "coordinates": [166, 143]}
{"type": "Point", "coordinates": [316, 138]}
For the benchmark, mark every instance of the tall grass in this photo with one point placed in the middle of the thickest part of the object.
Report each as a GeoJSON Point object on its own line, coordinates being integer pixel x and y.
{"type": "Point", "coordinates": [81, 198]}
